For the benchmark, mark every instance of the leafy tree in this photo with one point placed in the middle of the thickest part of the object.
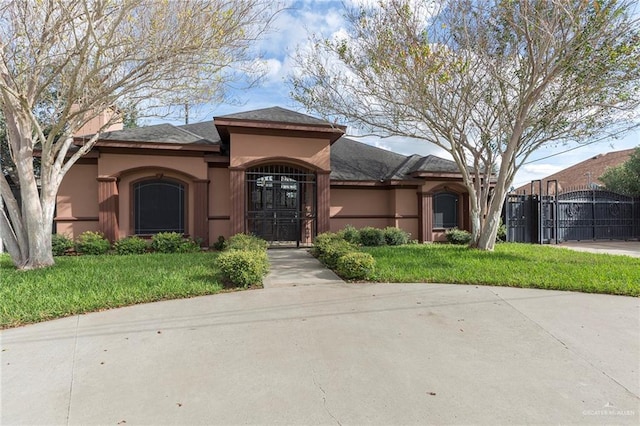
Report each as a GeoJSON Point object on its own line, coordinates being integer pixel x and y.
{"type": "Point", "coordinates": [624, 178]}
{"type": "Point", "coordinates": [69, 61]}
{"type": "Point", "coordinates": [488, 81]}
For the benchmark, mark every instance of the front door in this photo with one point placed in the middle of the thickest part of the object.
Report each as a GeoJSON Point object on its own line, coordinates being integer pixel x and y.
{"type": "Point", "coordinates": [280, 204]}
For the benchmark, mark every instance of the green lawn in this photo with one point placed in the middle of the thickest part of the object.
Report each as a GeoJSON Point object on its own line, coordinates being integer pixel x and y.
{"type": "Point", "coordinates": [513, 265]}
{"type": "Point", "coordinates": [92, 283]}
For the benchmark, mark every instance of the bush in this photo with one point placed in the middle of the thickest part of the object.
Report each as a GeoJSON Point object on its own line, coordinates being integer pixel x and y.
{"type": "Point", "coordinates": [90, 242]}
{"type": "Point", "coordinates": [458, 236]}
{"type": "Point", "coordinates": [189, 245]}
{"type": "Point", "coordinates": [324, 240]}
{"type": "Point", "coordinates": [247, 242]}
{"type": "Point", "coordinates": [60, 244]}
{"type": "Point", "coordinates": [502, 233]}
{"type": "Point", "coordinates": [356, 266]}
{"type": "Point", "coordinates": [351, 234]}
{"type": "Point", "coordinates": [243, 267]}
{"type": "Point", "coordinates": [220, 245]}
{"type": "Point", "coordinates": [166, 242]}
{"type": "Point", "coordinates": [333, 250]}
{"type": "Point", "coordinates": [395, 236]}
{"type": "Point", "coordinates": [130, 245]}
{"type": "Point", "coordinates": [372, 237]}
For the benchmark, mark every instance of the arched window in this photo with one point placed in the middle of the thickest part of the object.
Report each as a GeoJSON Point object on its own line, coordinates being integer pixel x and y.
{"type": "Point", "coordinates": [445, 210]}
{"type": "Point", "coordinates": [159, 206]}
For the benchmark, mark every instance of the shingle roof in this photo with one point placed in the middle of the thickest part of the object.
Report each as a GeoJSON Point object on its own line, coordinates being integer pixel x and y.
{"type": "Point", "coordinates": [277, 115]}
{"type": "Point", "coordinates": [351, 160]}
{"type": "Point", "coordinates": [163, 133]}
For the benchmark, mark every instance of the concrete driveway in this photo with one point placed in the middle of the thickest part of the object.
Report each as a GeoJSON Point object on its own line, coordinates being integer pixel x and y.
{"type": "Point", "coordinates": [627, 248]}
{"type": "Point", "coordinates": [333, 354]}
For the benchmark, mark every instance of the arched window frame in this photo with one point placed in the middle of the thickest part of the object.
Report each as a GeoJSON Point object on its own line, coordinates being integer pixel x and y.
{"type": "Point", "coordinates": [440, 200]}
{"type": "Point", "coordinates": [182, 222]}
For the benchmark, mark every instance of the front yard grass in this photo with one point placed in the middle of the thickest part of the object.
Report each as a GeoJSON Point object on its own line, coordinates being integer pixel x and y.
{"type": "Point", "coordinates": [511, 264]}
{"type": "Point", "coordinates": [82, 284]}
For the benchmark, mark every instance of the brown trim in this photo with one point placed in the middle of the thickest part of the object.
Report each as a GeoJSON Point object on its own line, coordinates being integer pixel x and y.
{"type": "Point", "coordinates": [372, 184]}
{"type": "Point", "coordinates": [237, 188]}
{"type": "Point", "coordinates": [376, 186]}
{"type": "Point", "coordinates": [87, 161]}
{"type": "Point", "coordinates": [375, 216]}
{"type": "Point", "coordinates": [201, 210]}
{"type": "Point", "coordinates": [154, 171]}
{"type": "Point", "coordinates": [132, 205]}
{"type": "Point", "coordinates": [76, 219]}
{"type": "Point", "coordinates": [329, 131]}
{"type": "Point", "coordinates": [163, 146]}
{"type": "Point", "coordinates": [323, 203]}
{"type": "Point", "coordinates": [219, 218]}
{"type": "Point", "coordinates": [216, 159]}
{"type": "Point", "coordinates": [425, 219]}
{"type": "Point", "coordinates": [108, 206]}
{"type": "Point", "coordinates": [149, 151]}
{"type": "Point", "coordinates": [263, 161]}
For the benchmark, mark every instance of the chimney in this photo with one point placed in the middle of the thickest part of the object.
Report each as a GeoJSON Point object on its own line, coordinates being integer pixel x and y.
{"type": "Point", "coordinates": [95, 124]}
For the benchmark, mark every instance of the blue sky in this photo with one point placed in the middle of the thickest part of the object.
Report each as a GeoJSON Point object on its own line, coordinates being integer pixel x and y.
{"type": "Point", "coordinates": [291, 29]}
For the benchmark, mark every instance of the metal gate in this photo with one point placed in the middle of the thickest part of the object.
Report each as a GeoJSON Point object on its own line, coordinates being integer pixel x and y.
{"type": "Point", "coordinates": [582, 214]}
{"type": "Point", "coordinates": [281, 205]}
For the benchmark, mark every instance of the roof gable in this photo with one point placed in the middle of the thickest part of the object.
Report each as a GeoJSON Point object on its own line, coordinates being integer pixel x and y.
{"type": "Point", "coordinates": [276, 115]}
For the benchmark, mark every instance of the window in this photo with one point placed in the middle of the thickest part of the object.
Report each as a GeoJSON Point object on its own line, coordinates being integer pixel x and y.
{"type": "Point", "coordinates": [159, 206]}
{"type": "Point", "coordinates": [445, 210]}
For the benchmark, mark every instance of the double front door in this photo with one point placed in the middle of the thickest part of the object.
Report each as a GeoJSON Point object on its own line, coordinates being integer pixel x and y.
{"type": "Point", "coordinates": [280, 204]}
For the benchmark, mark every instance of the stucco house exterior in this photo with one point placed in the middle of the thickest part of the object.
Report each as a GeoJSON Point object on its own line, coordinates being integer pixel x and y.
{"type": "Point", "coordinates": [277, 173]}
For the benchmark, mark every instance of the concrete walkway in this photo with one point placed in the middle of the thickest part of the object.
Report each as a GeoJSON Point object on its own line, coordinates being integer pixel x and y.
{"type": "Point", "coordinates": [296, 267]}
{"type": "Point", "coordinates": [332, 353]}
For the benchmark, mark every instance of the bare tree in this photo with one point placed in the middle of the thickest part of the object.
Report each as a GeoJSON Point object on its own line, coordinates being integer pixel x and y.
{"type": "Point", "coordinates": [490, 82]}
{"type": "Point", "coordinates": [72, 60]}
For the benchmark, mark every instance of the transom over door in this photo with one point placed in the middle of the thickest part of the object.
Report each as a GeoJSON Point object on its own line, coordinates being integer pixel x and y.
{"type": "Point", "coordinates": [281, 203]}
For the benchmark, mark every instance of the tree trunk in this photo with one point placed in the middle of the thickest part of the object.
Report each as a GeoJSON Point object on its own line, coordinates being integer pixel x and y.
{"type": "Point", "coordinates": [37, 225]}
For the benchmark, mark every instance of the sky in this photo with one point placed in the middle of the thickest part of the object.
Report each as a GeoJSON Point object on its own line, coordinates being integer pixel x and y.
{"type": "Point", "coordinates": [291, 29]}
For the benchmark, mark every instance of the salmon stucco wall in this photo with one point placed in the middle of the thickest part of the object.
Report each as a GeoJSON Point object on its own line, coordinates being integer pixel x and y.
{"type": "Point", "coordinates": [77, 201]}
{"type": "Point", "coordinates": [131, 168]}
{"type": "Point", "coordinates": [379, 207]}
{"type": "Point", "coordinates": [219, 204]}
{"type": "Point", "coordinates": [249, 148]}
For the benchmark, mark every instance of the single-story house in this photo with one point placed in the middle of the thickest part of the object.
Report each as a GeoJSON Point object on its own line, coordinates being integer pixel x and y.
{"type": "Point", "coordinates": [279, 174]}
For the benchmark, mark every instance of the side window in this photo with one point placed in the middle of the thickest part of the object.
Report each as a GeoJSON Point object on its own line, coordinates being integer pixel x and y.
{"type": "Point", "coordinates": [159, 206]}
{"type": "Point", "coordinates": [445, 210]}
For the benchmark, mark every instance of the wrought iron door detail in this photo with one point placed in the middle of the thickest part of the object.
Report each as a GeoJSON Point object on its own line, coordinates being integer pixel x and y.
{"type": "Point", "coordinates": [281, 204]}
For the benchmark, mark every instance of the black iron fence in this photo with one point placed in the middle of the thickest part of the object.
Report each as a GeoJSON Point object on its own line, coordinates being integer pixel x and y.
{"type": "Point", "coordinates": [581, 214]}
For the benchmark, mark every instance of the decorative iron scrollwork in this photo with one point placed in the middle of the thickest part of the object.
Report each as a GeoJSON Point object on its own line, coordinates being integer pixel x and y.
{"type": "Point", "coordinates": [573, 209]}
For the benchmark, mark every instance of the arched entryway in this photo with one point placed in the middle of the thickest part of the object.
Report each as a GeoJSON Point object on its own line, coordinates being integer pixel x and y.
{"type": "Point", "coordinates": [281, 203]}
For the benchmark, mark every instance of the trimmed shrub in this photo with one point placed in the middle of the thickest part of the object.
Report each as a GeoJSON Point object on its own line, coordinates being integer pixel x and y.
{"type": "Point", "coordinates": [60, 244]}
{"type": "Point", "coordinates": [90, 242]}
{"type": "Point", "coordinates": [220, 245]}
{"type": "Point", "coordinates": [243, 267]}
{"type": "Point", "coordinates": [356, 266]}
{"type": "Point", "coordinates": [130, 245]}
{"type": "Point", "coordinates": [351, 234]}
{"type": "Point", "coordinates": [324, 240]}
{"type": "Point", "coordinates": [246, 242]}
{"type": "Point", "coordinates": [333, 250]}
{"type": "Point", "coordinates": [372, 237]}
{"type": "Point", "coordinates": [166, 242]}
{"type": "Point", "coordinates": [458, 236]}
{"type": "Point", "coordinates": [395, 236]}
{"type": "Point", "coordinates": [189, 245]}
